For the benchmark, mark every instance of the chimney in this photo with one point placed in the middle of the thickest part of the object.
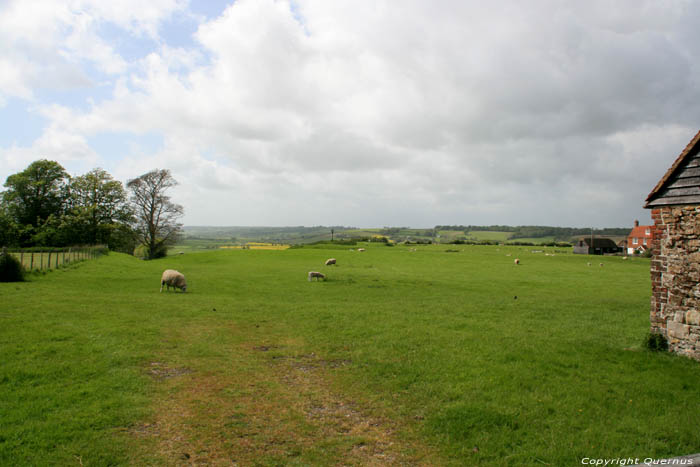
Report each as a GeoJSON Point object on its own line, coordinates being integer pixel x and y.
{"type": "Point", "coordinates": [636, 223]}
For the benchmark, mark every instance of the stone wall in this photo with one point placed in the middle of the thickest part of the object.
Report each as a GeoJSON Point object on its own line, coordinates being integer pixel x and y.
{"type": "Point", "coordinates": [675, 278]}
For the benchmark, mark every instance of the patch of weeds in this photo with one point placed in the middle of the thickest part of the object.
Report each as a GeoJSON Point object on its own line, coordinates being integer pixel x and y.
{"type": "Point", "coordinates": [655, 342]}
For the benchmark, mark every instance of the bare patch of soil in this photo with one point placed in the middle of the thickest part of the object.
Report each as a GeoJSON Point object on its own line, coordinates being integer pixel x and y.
{"type": "Point", "coordinates": [268, 409]}
{"type": "Point", "coordinates": [161, 371]}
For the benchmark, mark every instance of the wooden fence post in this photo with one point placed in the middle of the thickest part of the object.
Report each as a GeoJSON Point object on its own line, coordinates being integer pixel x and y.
{"type": "Point", "coordinates": [31, 263]}
{"type": "Point", "coordinates": [21, 258]}
{"type": "Point", "coordinates": [41, 260]}
{"type": "Point", "coordinates": [48, 265]}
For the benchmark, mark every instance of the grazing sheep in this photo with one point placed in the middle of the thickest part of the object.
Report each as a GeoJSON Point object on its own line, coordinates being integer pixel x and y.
{"type": "Point", "coordinates": [172, 278]}
{"type": "Point", "coordinates": [589, 264]}
{"type": "Point", "coordinates": [317, 275]}
{"type": "Point", "coordinates": [330, 261]}
{"type": "Point", "coordinates": [360, 249]}
{"type": "Point", "coordinates": [601, 265]}
{"type": "Point", "coordinates": [517, 261]}
{"type": "Point", "coordinates": [624, 257]}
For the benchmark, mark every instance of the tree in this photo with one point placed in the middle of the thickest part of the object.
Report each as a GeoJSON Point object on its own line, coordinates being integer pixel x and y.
{"type": "Point", "coordinates": [36, 193]}
{"type": "Point", "coordinates": [97, 207]}
{"type": "Point", "coordinates": [9, 230]}
{"type": "Point", "coordinates": [156, 215]}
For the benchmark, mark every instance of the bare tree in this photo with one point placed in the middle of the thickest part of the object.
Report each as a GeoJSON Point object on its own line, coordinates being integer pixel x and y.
{"type": "Point", "coordinates": [156, 215]}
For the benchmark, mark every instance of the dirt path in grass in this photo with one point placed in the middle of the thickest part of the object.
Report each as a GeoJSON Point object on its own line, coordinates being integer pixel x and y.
{"type": "Point", "coordinates": [270, 408]}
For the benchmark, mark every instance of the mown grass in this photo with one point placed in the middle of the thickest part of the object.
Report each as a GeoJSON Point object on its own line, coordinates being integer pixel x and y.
{"type": "Point", "coordinates": [456, 357]}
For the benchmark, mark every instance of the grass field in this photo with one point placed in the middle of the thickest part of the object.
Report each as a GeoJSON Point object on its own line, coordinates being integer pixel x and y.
{"type": "Point", "coordinates": [488, 235]}
{"type": "Point", "coordinates": [417, 357]}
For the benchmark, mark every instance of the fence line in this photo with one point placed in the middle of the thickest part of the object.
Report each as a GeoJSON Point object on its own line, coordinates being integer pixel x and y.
{"type": "Point", "coordinates": [55, 258]}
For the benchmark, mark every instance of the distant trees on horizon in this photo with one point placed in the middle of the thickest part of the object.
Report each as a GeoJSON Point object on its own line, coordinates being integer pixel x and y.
{"type": "Point", "coordinates": [538, 231]}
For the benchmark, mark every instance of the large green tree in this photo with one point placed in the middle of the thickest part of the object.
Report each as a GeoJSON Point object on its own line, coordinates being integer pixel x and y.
{"type": "Point", "coordinates": [36, 193]}
{"type": "Point", "coordinates": [156, 215]}
{"type": "Point", "coordinates": [9, 230]}
{"type": "Point", "coordinates": [97, 208]}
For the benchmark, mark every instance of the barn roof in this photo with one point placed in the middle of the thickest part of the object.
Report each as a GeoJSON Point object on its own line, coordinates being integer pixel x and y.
{"type": "Point", "coordinates": [681, 183]}
{"type": "Point", "coordinates": [599, 242]}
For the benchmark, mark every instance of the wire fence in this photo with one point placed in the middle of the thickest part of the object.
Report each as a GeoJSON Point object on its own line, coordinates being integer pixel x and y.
{"type": "Point", "coordinates": [34, 259]}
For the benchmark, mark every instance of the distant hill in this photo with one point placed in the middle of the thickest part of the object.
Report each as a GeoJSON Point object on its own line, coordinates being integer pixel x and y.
{"type": "Point", "coordinates": [239, 235]}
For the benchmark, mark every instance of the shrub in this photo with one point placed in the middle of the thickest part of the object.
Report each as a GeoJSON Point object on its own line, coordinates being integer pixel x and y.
{"type": "Point", "coordinates": [656, 342]}
{"type": "Point", "coordinates": [141, 251]}
{"type": "Point", "coordinates": [10, 269]}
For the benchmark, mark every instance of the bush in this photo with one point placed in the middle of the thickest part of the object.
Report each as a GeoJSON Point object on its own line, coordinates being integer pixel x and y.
{"type": "Point", "coordinates": [10, 269]}
{"type": "Point", "coordinates": [141, 251]}
{"type": "Point", "coordinates": [656, 342]}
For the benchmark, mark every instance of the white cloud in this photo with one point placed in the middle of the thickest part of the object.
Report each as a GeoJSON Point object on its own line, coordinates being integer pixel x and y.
{"type": "Point", "coordinates": [47, 44]}
{"type": "Point", "coordinates": [368, 113]}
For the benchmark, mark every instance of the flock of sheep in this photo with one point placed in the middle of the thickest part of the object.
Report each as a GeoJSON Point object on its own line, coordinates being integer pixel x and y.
{"type": "Point", "coordinates": [176, 280]}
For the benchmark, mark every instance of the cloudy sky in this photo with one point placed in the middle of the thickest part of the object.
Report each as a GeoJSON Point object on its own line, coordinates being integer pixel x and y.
{"type": "Point", "coordinates": [359, 112]}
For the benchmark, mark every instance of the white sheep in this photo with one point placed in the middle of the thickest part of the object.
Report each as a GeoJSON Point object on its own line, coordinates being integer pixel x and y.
{"type": "Point", "coordinates": [173, 278]}
{"type": "Point", "coordinates": [516, 261]}
{"type": "Point", "coordinates": [330, 261]}
{"type": "Point", "coordinates": [360, 249]}
{"type": "Point", "coordinates": [317, 275]}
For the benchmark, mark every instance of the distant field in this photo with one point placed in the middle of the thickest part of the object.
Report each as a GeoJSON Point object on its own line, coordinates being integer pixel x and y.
{"type": "Point", "coordinates": [489, 235]}
{"type": "Point", "coordinates": [535, 240]}
{"type": "Point", "coordinates": [414, 355]}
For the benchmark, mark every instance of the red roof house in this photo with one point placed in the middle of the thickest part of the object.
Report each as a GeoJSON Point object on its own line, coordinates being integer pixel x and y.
{"type": "Point", "coordinates": [640, 238]}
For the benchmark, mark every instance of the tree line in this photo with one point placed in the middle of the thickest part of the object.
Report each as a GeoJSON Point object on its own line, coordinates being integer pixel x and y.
{"type": "Point", "coordinates": [43, 206]}
{"type": "Point", "coordinates": [538, 231]}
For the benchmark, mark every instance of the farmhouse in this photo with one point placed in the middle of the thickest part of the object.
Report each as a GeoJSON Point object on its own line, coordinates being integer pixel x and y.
{"type": "Point", "coordinates": [639, 238]}
{"type": "Point", "coordinates": [595, 246]}
{"type": "Point", "coordinates": [675, 267]}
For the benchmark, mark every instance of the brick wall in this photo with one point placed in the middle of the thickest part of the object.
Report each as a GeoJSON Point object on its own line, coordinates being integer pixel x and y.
{"type": "Point", "coordinates": [675, 278]}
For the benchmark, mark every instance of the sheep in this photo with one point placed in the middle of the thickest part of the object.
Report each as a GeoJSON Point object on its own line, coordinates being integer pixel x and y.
{"type": "Point", "coordinates": [601, 265]}
{"type": "Point", "coordinates": [517, 261]}
{"type": "Point", "coordinates": [589, 263]}
{"type": "Point", "coordinates": [330, 261]}
{"type": "Point", "coordinates": [173, 278]}
{"type": "Point", "coordinates": [360, 249]}
{"type": "Point", "coordinates": [317, 275]}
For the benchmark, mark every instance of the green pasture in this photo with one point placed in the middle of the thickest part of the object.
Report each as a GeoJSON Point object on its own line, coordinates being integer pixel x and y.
{"type": "Point", "coordinates": [480, 235]}
{"type": "Point", "coordinates": [535, 240]}
{"type": "Point", "coordinates": [420, 354]}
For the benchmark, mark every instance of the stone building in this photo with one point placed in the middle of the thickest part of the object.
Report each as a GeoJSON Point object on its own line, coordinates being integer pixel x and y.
{"type": "Point", "coordinates": [675, 266]}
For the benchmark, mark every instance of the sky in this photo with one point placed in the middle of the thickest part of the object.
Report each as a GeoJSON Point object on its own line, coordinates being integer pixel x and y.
{"type": "Point", "coordinates": [362, 113]}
